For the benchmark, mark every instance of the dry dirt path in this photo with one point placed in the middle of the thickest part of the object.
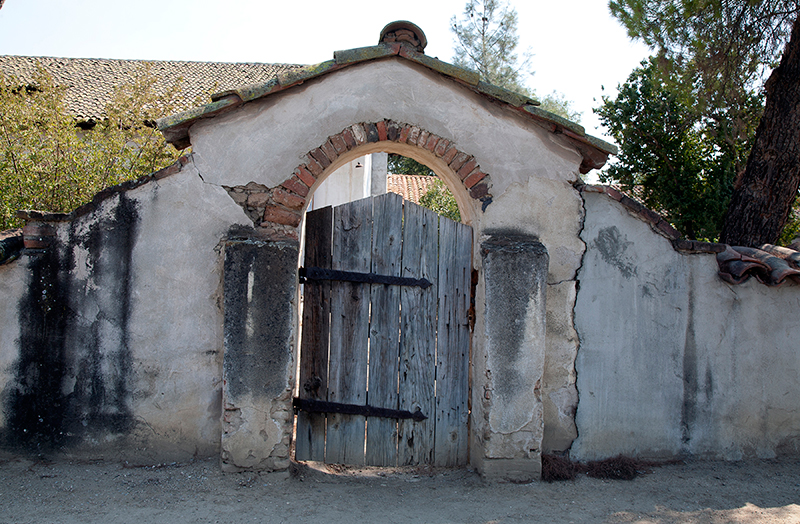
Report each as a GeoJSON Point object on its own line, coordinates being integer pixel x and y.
{"type": "Point", "coordinates": [198, 492]}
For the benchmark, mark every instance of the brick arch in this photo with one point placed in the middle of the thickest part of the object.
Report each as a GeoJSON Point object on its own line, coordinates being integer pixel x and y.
{"type": "Point", "coordinates": [284, 204]}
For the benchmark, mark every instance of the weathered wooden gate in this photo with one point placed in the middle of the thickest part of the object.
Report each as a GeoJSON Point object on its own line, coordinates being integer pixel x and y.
{"type": "Point", "coordinates": [384, 354]}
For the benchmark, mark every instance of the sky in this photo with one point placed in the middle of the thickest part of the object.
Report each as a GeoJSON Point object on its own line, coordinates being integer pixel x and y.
{"type": "Point", "coordinates": [577, 48]}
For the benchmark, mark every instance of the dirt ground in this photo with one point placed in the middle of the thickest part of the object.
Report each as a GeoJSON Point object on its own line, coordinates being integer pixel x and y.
{"type": "Point", "coordinates": [80, 492]}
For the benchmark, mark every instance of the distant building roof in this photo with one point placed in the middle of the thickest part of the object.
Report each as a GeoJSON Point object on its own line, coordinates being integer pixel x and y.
{"type": "Point", "coordinates": [410, 187]}
{"type": "Point", "coordinates": [90, 82]}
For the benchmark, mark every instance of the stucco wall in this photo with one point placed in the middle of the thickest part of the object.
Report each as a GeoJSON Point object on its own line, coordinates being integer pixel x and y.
{"type": "Point", "coordinates": [113, 345]}
{"type": "Point", "coordinates": [673, 361]}
{"type": "Point", "coordinates": [532, 172]}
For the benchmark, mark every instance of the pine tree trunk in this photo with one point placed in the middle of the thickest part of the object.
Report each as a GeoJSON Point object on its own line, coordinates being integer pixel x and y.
{"type": "Point", "coordinates": [763, 196]}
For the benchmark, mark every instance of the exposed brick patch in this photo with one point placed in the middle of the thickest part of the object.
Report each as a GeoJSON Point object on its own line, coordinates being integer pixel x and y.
{"type": "Point", "coordinates": [441, 147]}
{"type": "Point", "coordinates": [450, 154]}
{"type": "Point", "coordinates": [257, 199]}
{"type": "Point", "coordinates": [430, 144]}
{"type": "Point", "coordinates": [314, 166]}
{"type": "Point", "coordinates": [406, 129]}
{"type": "Point", "coordinates": [476, 176]}
{"type": "Point", "coordinates": [318, 155]}
{"type": "Point", "coordinates": [349, 138]}
{"type": "Point", "coordinates": [423, 138]}
{"type": "Point", "coordinates": [295, 185]}
{"type": "Point", "coordinates": [287, 199]}
{"type": "Point", "coordinates": [469, 166]}
{"type": "Point", "coordinates": [282, 202]}
{"type": "Point", "coordinates": [458, 161]}
{"type": "Point", "coordinates": [338, 143]}
{"type": "Point", "coordinates": [305, 175]}
{"type": "Point", "coordinates": [413, 135]}
{"type": "Point", "coordinates": [372, 133]}
{"type": "Point", "coordinates": [393, 131]}
{"type": "Point", "coordinates": [329, 151]}
{"type": "Point", "coordinates": [279, 215]}
{"type": "Point", "coordinates": [360, 134]}
{"type": "Point", "coordinates": [381, 126]}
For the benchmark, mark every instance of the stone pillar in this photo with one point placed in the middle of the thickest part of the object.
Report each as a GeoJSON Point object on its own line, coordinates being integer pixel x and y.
{"type": "Point", "coordinates": [515, 272]}
{"type": "Point", "coordinates": [260, 289]}
{"type": "Point", "coordinates": [380, 168]}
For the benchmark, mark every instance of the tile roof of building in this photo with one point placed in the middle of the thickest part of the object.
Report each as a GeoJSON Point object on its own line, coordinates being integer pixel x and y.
{"type": "Point", "coordinates": [410, 187]}
{"type": "Point", "coordinates": [90, 82]}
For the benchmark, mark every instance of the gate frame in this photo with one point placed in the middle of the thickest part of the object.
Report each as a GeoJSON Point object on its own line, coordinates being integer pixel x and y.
{"type": "Point", "coordinates": [505, 426]}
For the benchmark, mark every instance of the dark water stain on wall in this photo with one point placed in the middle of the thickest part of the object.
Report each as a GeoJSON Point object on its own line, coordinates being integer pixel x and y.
{"type": "Point", "coordinates": [75, 364]}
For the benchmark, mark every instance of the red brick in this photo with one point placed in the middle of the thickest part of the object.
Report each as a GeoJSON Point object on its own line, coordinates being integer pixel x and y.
{"type": "Point", "coordinates": [476, 176]}
{"type": "Point", "coordinates": [289, 200]}
{"type": "Point", "coordinates": [38, 230]}
{"type": "Point", "coordinates": [430, 145]}
{"type": "Point", "coordinates": [314, 166]}
{"type": "Point", "coordinates": [295, 185]}
{"type": "Point", "coordinates": [404, 133]}
{"type": "Point", "coordinates": [613, 193]}
{"type": "Point", "coordinates": [479, 191]}
{"type": "Point", "coordinates": [441, 147]}
{"type": "Point", "coordinates": [413, 135]}
{"type": "Point", "coordinates": [349, 138]}
{"type": "Point", "coordinates": [423, 138]}
{"type": "Point", "coordinates": [460, 159]}
{"type": "Point", "coordinates": [338, 143]}
{"type": "Point", "coordinates": [305, 175]}
{"type": "Point", "coordinates": [329, 150]}
{"type": "Point", "coordinates": [381, 130]}
{"type": "Point", "coordinates": [36, 243]}
{"type": "Point", "coordinates": [278, 215]}
{"type": "Point", "coordinates": [450, 154]}
{"type": "Point", "coordinates": [318, 155]}
{"type": "Point", "coordinates": [467, 168]}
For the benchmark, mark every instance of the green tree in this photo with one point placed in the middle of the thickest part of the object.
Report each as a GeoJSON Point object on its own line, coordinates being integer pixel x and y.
{"type": "Point", "coordinates": [47, 163]}
{"type": "Point", "coordinates": [677, 159]}
{"type": "Point", "coordinates": [402, 165]}
{"type": "Point", "coordinates": [439, 199]}
{"type": "Point", "coordinates": [720, 51]}
{"type": "Point", "coordinates": [486, 41]}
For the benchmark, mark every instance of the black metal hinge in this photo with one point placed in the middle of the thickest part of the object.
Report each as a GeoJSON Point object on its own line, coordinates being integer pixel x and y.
{"type": "Point", "coordinates": [322, 406]}
{"type": "Point", "coordinates": [317, 273]}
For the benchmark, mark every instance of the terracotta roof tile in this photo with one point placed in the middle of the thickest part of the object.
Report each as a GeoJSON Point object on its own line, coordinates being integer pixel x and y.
{"type": "Point", "coordinates": [90, 82]}
{"type": "Point", "coordinates": [410, 187]}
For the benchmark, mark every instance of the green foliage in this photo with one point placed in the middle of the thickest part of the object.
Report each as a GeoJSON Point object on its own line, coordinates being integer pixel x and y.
{"type": "Point", "coordinates": [439, 199]}
{"type": "Point", "coordinates": [402, 165]}
{"type": "Point", "coordinates": [47, 163]}
{"type": "Point", "coordinates": [716, 53]}
{"type": "Point", "coordinates": [486, 42]}
{"type": "Point", "coordinates": [684, 167]}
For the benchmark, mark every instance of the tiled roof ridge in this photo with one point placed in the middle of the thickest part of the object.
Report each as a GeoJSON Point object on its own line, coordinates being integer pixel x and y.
{"type": "Point", "coordinates": [594, 151]}
{"type": "Point", "coordinates": [410, 187]}
{"type": "Point", "coordinates": [148, 60]}
{"type": "Point", "coordinates": [91, 82]}
{"type": "Point", "coordinates": [771, 265]}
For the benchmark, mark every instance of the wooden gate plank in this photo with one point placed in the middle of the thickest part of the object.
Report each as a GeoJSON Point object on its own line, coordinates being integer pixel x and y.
{"type": "Point", "coordinates": [347, 379]}
{"type": "Point", "coordinates": [384, 330]}
{"type": "Point", "coordinates": [418, 335]}
{"type": "Point", "coordinates": [313, 375]}
{"type": "Point", "coordinates": [452, 379]}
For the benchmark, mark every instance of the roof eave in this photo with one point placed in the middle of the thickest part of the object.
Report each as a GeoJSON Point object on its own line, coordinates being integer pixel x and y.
{"type": "Point", "coordinates": [594, 151]}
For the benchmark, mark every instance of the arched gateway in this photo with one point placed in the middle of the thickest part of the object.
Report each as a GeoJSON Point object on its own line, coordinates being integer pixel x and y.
{"type": "Point", "coordinates": [511, 168]}
{"type": "Point", "coordinates": [210, 271]}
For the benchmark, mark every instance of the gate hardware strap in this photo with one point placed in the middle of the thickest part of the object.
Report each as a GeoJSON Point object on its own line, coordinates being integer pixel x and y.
{"type": "Point", "coordinates": [321, 406]}
{"type": "Point", "coordinates": [318, 273]}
